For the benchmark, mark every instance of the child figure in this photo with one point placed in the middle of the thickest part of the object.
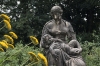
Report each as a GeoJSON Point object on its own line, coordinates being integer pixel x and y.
{"type": "Point", "coordinates": [70, 51]}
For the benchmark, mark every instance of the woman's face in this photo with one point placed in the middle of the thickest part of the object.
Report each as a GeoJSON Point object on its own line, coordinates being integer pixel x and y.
{"type": "Point", "coordinates": [56, 15]}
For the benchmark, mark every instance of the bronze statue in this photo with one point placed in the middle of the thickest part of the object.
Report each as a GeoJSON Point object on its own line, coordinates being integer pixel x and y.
{"type": "Point", "coordinates": [59, 41]}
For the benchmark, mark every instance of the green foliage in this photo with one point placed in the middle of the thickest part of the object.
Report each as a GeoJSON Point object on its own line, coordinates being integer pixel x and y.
{"type": "Point", "coordinates": [90, 43]}
{"type": "Point", "coordinates": [91, 37]}
{"type": "Point", "coordinates": [91, 54]}
{"type": "Point", "coordinates": [18, 56]}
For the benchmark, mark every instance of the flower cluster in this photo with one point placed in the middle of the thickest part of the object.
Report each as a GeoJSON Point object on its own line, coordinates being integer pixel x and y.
{"type": "Point", "coordinates": [7, 24]}
{"type": "Point", "coordinates": [8, 41]}
{"type": "Point", "coordinates": [34, 40]}
{"type": "Point", "coordinates": [6, 21]}
{"type": "Point", "coordinates": [38, 57]}
{"type": "Point", "coordinates": [5, 17]}
{"type": "Point", "coordinates": [13, 35]}
{"type": "Point", "coordinates": [4, 45]}
{"type": "Point", "coordinates": [33, 57]}
{"type": "Point", "coordinates": [43, 58]}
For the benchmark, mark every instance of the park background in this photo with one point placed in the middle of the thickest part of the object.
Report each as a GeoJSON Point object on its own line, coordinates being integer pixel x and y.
{"type": "Point", "coordinates": [29, 16]}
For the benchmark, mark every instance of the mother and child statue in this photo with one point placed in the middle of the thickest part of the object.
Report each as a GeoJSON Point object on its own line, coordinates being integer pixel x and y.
{"type": "Point", "coordinates": [59, 42]}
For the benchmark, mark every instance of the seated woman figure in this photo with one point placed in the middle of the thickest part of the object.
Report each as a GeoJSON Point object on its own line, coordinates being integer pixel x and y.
{"type": "Point", "coordinates": [67, 48]}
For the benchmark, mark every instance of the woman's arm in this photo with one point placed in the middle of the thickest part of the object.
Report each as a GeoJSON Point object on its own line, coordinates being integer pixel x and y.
{"type": "Point", "coordinates": [71, 33]}
{"type": "Point", "coordinates": [44, 31]}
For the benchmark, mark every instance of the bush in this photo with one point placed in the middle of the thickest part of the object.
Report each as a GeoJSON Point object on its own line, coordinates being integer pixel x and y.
{"type": "Point", "coordinates": [90, 43]}
{"type": "Point", "coordinates": [18, 56]}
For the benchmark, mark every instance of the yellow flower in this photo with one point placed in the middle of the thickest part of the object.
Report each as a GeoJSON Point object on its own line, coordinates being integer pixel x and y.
{"type": "Point", "coordinates": [41, 56]}
{"type": "Point", "coordinates": [9, 39]}
{"type": "Point", "coordinates": [13, 35]}
{"type": "Point", "coordinates": [1, 49]}
{"type": "Point", "coordinates": [5, 17]}
{"type": "Point", "coordinates": [33, 56]}
{"type": "Point", "coordinates": [11, 46]}
{"type": "Point", "coordinates": [34, 40]}
{"type": "Point", "coordinates": [3, 45]}
{"type": "Point", "coordinates": [5, 41]}
{"type": "Point", "coordinates": [7, 24]}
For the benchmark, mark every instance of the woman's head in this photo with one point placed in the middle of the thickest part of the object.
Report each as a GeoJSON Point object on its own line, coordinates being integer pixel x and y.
{"type": "Point", "coordinates": [56, 12]}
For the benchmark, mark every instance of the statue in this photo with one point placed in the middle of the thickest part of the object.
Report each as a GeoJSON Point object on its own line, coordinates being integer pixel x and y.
{"type": "Point", "coordinates": [59, 41]}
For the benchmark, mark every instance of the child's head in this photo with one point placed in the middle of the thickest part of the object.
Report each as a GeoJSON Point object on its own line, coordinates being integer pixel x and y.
{"type": "Point", "coordinates": [46, 38]}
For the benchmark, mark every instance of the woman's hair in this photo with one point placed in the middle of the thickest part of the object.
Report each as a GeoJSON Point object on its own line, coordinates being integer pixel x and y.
{"type": "Point", "coordinates": [56, 9]}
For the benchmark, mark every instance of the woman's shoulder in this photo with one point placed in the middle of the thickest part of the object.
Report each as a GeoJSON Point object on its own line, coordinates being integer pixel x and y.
{"type": "Point", "coordinates": [67, 23]}
{"type": "Point", "coordinates": [50, 22]}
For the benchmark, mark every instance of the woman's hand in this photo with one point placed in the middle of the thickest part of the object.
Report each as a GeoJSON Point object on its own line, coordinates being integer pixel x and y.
{"type": "Point", "coordinates": [55, 40]}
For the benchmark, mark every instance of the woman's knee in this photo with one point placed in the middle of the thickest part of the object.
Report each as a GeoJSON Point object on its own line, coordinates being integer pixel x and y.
{"type": "Point", "coordinates": [73, 42]}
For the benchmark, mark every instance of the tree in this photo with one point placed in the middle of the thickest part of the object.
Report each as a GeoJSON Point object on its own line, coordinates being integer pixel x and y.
{"type": "Point", "coordinates": [28, 17]}
{"type": "Point", "coordinates": [84, 14]}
